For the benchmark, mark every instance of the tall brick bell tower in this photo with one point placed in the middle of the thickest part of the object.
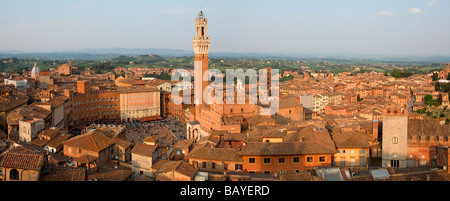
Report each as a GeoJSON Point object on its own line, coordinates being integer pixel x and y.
{"type": "Point", "coordinates": [201, 49]}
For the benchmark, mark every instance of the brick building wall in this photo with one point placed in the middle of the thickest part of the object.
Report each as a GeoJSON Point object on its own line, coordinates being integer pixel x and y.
{"type": "Point", "coordinates": [287, 163]}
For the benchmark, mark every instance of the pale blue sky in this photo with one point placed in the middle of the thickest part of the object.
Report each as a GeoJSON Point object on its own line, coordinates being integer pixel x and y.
{"type": "Point", "coordinates": [408, 27]}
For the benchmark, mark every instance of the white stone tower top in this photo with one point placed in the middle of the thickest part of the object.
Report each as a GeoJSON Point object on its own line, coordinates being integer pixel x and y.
{"type": "Point", "coordinates": [201, 40]}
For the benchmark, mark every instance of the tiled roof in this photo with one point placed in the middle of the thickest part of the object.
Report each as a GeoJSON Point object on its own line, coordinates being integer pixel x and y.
{"type": "Point", "coordinates": [58, 173]}
{"type": "Point", "coordinates": [115, 175]}
{"type": "Point", "coordinates": [183, 144]}
{"type": "Point", "coordinates": [23, 161]}
{"type": "Point", "coordinates": [351, 140]}
{"type": "Point", "coordinates": [122, 143]}
{"type": "Point", "coordinates": [86, 159]}
{"type": "Point", "coordinates": [58, 140]}
{"type": "Point", "coordinates": [428, 127]}
{"type": "Point", "coordinates": [303, 176]}
{"type": "Point", "coordinates": [181, 167]}
{"type": "Point", "coordinates": [144, 149]}
{"type": "Point", "coordinates": [93, 141]}
{"type": "Point", "coordinates": [13, 101]}
{"type": "Point", "coordinates": [290, 102]}
{"type": "Point", "coordinates": [220, 154]}
{"type": "Point", "coordinates": [30, 110]}
{"type": "Point", "coordinates": [137, 89]}
{"type": "Point", "coordinates": [235, 137]}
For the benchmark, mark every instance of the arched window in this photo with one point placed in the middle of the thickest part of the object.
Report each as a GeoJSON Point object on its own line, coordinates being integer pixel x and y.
{"type": "Point", "coordinates": [14, 174]}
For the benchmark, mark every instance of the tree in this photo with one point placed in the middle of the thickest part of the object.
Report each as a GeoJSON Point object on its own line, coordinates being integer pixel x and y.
{"type": "Point", "coordinates": [397, 73]}
{"type": "Point", "coordinates": [435, 76]}
{"type": "Point", "coordinates": [439, 100]}
{"type": "Point", "coordinates": [428, 99]}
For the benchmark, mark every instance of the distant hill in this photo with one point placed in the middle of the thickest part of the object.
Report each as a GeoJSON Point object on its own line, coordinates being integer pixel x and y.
{"type": "Point", "coordinates": [109, 53]}
{"type": "Point", "coordinates": [94, 54]}
{"type": "Point", "coordinates": [134, 51]}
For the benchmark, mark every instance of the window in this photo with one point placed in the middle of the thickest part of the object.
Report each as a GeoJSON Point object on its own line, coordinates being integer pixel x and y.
{"type": "Point", "coordinates": [281, 160]}
{"type": "Point", "coordinates": [322, 159]}
{"type": "Point", "coordinates": [296, 160]}
{"type": "Point", "coordinates": [361, 152]}
{"type": "Point", "coordinates": [342, 162]}
{"type": "Point", "coordinates": [204, 164]}
{"type": "Point", "coordinates": [14, 174]}
{"type": "Point", "coordinates": [395, 163]}
{"type": "Point", "coordinates": [266, 160]}
{"type": "Point", "coordinates": [309, 159]}
{"type": "Point", "coordinates": [213, 165]}
{"type": "Point", "coordinates": [395, 140]}
{"type": "Point", "coordinates": [343, 151]}
{"type": "Point", "coordinates": [266, 172]}
{"type": "Point", "coordinates": [361, 162]}
{"type": "Point", "coordinates": [238, 167]}
{"type": "Point", "coordinates": [251, 160]}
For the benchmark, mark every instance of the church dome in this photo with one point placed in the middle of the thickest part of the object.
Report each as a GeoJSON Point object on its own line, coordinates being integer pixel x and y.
{"type": "Point", "coordinates": [35, 69]}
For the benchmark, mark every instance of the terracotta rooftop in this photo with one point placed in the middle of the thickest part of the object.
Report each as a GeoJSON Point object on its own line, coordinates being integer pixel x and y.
{"type": "Point", "coordinates": [303, 176]}
{"type": "Point", "coordinates": [290, 102]}
{"type": "Point", "coordinates": [58, 140]}
{"type": "Point", "coordinates": [93, 141]}
{"type": "Point", "coordinates": [427, 127]}
{"type": "Point", "coordinates": [59, 173]}
{"type": "Point", "coordinates": [183, 144]}
{"type": "Point", "coordinates": [351, 140]}
{"type": "Point", "coordinates": [23, 161]}
{"type": "Point", "coordinates": [137, 89]}
{"type": "Point", "coordinates": [181, 167]}
{"type": "Point", "coordinates": [13, 101]}
{"type": "Point", "coordinates": [220, 154]}
{"type": "Point", "coordinates": [30, 110]}
{"type": "Point", "coordinates": [144, 149]}
{"type": "Point", "coordinates": [115, 175]}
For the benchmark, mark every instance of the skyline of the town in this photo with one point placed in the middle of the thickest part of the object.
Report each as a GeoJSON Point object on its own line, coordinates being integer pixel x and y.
{"type": "Point", "coordinates": [197, 118]}
{"type": "Point", "coordinates": [416, 28]}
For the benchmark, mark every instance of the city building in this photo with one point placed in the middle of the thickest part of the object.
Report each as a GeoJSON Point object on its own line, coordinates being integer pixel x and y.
{"type": "Point", "coordinates": [139, 102]}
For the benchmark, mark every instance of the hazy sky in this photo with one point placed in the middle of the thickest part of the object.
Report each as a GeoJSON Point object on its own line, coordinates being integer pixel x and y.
{"type": "Point", "coordinates": [409, 27]}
